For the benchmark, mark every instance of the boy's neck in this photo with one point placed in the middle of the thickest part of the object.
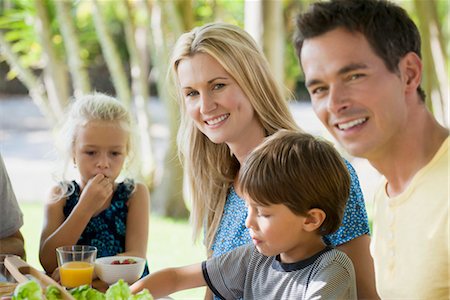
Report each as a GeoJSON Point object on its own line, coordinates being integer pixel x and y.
{"type": "Point", "coordinates": [309, 248]}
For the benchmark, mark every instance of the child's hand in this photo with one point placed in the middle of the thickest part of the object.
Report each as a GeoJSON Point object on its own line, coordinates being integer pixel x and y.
{"type": "Point", "coordinates": [96, 193]}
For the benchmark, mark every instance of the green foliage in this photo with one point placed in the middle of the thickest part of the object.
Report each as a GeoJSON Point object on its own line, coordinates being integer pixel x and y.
{"type": "Point", "coordinates": [206, 11]}
{"type": "Point", "coordinates": [17, 24]}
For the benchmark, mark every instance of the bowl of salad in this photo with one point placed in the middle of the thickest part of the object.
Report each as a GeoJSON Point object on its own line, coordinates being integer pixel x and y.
{"type": "Point", "coordinates": [112, 268]}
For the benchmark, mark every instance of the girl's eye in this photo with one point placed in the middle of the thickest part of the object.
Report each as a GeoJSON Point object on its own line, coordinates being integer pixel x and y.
{"type": "Point", "coordinates": [90, 152]}
{"type": "Point", "coordinates": [116, 153]}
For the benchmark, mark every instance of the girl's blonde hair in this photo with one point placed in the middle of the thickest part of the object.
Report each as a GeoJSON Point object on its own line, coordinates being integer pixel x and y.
{"type": "Point", "coordinates": [211, 168]}
{"type": "Point", "coordinates": [93, 107]}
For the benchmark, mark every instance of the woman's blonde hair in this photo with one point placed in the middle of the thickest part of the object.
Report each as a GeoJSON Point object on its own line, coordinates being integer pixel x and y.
{"type": "Point", "coordinates": [92, 107]}
{"type": "Point", "coordinates": [211, 168]}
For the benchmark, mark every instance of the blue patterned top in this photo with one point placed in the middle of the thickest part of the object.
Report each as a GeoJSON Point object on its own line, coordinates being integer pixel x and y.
{"type": "Point", "coordinates": [107, 230]}
{"type": "Point", "coordinates": [232, 232]}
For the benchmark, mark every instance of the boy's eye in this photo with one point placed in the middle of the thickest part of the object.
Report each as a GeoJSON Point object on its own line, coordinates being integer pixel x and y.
{"type": "Point", "coordinates": [262, 213]}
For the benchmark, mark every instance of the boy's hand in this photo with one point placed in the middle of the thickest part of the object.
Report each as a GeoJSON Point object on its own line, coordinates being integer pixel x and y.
{"type": "Point", "coordinates": [96, 193]}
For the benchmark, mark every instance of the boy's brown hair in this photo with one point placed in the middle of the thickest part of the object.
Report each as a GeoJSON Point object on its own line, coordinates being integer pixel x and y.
{"type": "Point", "coordinates": [300, 171]}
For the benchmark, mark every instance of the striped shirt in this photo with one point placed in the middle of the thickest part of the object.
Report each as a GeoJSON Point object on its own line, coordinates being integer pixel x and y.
{"type": "Point", "coordinates": [245, 273]}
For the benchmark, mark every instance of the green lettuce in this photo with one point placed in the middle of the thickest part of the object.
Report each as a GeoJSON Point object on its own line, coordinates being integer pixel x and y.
{"type": "Point", "coordinates": [142, 295]}
{"type": "Point", "coordinates": [52, 293]}
{"type": "Point", "coordinates": [30, 290]}
{"type": "Point", "coordinates": [118, 291]}
{"type": "Point", "coordinates": [85, 292]}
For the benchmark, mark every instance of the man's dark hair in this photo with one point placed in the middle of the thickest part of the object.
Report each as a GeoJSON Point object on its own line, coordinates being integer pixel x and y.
{"type": "Point", "coordinates": [387, 27]}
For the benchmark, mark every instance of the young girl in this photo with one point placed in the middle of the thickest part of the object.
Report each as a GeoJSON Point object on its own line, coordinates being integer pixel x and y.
{"type": "Point", "coordinates": [96, 210]}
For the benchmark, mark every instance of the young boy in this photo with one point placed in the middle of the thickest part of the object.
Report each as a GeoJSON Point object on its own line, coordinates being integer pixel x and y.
{"type": "Point", "coordinates": [295, 187]}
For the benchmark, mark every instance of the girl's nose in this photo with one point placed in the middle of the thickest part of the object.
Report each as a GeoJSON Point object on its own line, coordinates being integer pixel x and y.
{"type": "Point", "coordinates": [103, 162]}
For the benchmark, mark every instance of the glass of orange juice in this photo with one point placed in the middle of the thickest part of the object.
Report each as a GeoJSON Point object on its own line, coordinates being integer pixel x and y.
{"type": "Point", "coordinates": [76, 264]}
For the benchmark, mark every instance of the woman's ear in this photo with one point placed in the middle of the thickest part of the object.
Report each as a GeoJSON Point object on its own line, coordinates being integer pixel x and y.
{"type": "Point", "coordinates": [314, 219]}
{"type": "Point", "coordinates": [411, 67]}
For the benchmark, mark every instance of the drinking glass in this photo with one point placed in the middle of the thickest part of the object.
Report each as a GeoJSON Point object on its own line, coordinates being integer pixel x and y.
{"type": "Point", "coordinates": [76, 264]}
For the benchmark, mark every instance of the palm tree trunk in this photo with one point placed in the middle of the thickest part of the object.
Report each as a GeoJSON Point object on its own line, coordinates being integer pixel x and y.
{"type": "Point", "coordinates": [435, 75]}
{"type": "Point", "coordinates": [168, 195]}
{"type": "Point", "coordinates": [112, 57]}
{"type": "Point", "coordinates": [33, 84]}
{"type": "Point", "coordinates": [136, 44]}
{"type": "Point", "coordinates": [80, 77]}
{"type": "Point", "coordinates": [55, 76]}
{"type": "Point", "coordinates": [273, 37]}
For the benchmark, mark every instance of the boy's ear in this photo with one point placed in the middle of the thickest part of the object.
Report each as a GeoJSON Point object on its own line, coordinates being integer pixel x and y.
{"type": "Point", "coordinates": [314, 219]}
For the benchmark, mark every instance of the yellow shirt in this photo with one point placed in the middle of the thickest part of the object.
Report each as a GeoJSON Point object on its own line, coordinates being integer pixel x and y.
{"type": "Point", "coordinates": [410, 242]}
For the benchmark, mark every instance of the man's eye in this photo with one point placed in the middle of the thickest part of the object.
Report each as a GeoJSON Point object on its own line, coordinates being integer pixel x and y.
{"type": "Point", "coordinates": [356, 76]}
{"type": "Point", "coordinates": [318, 90]}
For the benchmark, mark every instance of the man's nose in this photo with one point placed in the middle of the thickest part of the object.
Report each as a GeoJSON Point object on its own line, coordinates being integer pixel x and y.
{"type": "Point", "coordinates": [338, 99]}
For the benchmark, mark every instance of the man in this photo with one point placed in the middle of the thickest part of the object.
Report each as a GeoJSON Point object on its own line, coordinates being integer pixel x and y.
{"type": "Point", "coordinates": [362, 66]}
{"type": "Point", "coordinates": [11, 218]}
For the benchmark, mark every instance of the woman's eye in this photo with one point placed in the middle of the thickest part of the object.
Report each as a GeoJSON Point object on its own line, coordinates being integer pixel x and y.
{"type": "Point", "coordinates": [218, 86]}
{"type": "Point", "coordinates": [191, 93]}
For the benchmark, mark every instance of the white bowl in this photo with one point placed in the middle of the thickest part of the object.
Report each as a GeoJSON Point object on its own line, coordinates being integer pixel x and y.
{"type": "Point", "coordinates": [110, 273]}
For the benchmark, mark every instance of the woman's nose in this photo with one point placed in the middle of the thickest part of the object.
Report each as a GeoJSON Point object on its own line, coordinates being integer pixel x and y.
{"type": "Point", "coordinates": [207, 103]}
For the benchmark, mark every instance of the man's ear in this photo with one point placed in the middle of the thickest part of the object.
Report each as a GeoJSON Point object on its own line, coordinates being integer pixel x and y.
{"type": "Point", "coordinates": [314, 219]}
{"type": "Point", "coordinates": [411, 68]}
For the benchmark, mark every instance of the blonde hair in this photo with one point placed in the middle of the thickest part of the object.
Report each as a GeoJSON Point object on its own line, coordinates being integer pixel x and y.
{"type": "Point", "coordinates": [87, 108]}
{"type": "Point", "coordinates": [310, 173]}
{"type": "Point", "coordinates": [211, 168]}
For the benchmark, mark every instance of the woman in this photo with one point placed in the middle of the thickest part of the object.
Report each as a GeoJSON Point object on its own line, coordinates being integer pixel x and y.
{"type": "Point", "coordinates": [230, 102]}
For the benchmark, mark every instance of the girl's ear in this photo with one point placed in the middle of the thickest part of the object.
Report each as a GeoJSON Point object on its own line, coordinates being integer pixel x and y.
{"type": "Point", "coordinates": [314, 219]}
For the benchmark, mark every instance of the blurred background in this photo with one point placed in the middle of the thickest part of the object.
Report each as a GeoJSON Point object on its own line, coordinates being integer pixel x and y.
{"type": "Point", "coordinates": [52, 50]}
